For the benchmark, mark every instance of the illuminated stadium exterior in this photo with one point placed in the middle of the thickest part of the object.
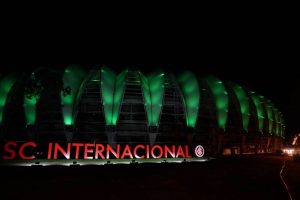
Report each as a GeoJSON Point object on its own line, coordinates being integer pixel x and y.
{"type": "Point", "coordinates": [131, 108]}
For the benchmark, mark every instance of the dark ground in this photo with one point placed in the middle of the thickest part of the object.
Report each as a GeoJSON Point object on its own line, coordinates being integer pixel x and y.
{"type": "Point", "coordinates": [292, 176]}
{"type": "Point", "coordinates": [247, 177]}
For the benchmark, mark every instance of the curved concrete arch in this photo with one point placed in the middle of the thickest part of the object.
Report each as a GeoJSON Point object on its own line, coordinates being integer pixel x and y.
{"type": "Point", "coordinates": [153, 93]}
{"type": "Point", "coordinates": [259, 109]}
{"type": "Point", "coordinates": [89, 76]}
{"type": "Point", "coordinates": [32, 95]}
{"type": "Point", "coordinates": [270, 116]}
{"type": "Point", "coordinates": [243, 101]}
{"type": "Point", "coordinates": [282, 126]}
{"type": "Point", "coordinates": [221, 99]}
{"type": "Point", "coordinates": [189, 87]}
{"type": "Point", "coordinates": [6, 84]}
{"type": "Point", "coordinates": [277, 122]}
{"type": "Point", "coordinates": [73, 78]}
{"type": "Point", "coordinates": [112, 90]}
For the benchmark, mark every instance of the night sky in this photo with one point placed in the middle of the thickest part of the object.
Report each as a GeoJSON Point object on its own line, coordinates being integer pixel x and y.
{"type": "Point", "coordinates": [274, 74]}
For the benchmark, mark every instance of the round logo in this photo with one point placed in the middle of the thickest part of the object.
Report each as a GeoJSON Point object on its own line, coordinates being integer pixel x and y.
{"type": "Point", "coordinates": [199, 151]}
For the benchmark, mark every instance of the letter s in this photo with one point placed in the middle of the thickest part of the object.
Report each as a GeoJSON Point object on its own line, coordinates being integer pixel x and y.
{"type": "Point", "coordinates": [10, 151]}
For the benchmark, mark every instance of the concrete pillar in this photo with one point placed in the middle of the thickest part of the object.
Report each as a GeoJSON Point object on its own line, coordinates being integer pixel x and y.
{"type": "Point", "coordinates": [69, 132]}
{"type": "Point", "coordinates": [111, 135]}
{"type": "Point", "coordinates": [152, 138]}
{"type": "Point", "coordinates": [30, 129]}
{"type": "Point", "coordinates": [190, 135]}
{"type": "Point", "coordinates": [269, 145]}
{"type": "Point", "coordinates": [243, 144]}
{"type": "Point", "coordinates": [111, 138]}
{"type": "Point", "coordinates": [220, 144]}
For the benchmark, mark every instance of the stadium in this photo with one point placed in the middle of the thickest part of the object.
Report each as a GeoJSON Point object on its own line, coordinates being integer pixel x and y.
{"type": "Point", "coordinates": [131, 107]}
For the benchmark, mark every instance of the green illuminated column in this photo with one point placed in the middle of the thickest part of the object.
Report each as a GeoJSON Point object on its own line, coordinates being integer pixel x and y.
{"type": "Point", "coordinates": [73, 77]}
{"type": "Point", "coordinates": [153, 93]}
{"type": "Point", "coordinates": [282, 126]}
{"type": "Point", "coordinates": [30, 109]}
{"type": "Point", "coordinates": [270, 116]}
{"type": "Point", "coordinates": [189, 87]}
{"type": "Point", "coordinates": [259, 110]}
{"type": "Point", "coordinates": [243, 102]}
{"type": "Point", "coordinates": [6, 83]}
{"type": "Point", "coordinates": [277, 122]}
{"type": "Point", "coordinates": [32, 92]}
{"type": "Point", "coordinates": [112, 90]}
{"type": "Point", "coordinates": [221, 99]}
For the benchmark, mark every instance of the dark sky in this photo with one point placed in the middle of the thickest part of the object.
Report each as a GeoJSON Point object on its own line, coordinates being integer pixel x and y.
{"type": "Point", "coordinates": [272, 73]}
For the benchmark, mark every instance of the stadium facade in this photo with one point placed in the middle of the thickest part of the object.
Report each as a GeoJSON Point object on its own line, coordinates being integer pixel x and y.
{"type": "Point", "coordinates": [132, 108]}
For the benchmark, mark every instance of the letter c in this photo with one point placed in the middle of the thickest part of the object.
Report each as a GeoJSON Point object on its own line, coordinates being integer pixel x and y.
{"type": "Point", "coordinates": [22, 149]}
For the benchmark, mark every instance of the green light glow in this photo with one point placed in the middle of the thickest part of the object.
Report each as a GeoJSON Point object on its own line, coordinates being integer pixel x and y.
{"type": "Point", "coordinates": [6, 83]}
{"type": "Point", "coordinates": [32, 92]}
{"type": "Point", "coordinates": [277, 122]}
{"type": "Point", "coordinates": [270, 116]}
{"type": "Point", "coordinates": [281, 125]}
{"type": "Point", "coordinates": [259, 109]}
{"type": "Point", "coordinates": [30, 109]}
{"type": "Point", "coordinates": [221, 99]}
{"type": "Point", "coordinates": [112, 89]}
{"type": "Point", "coordinates": [189, 87]}
{"type": "Point", "coordinates": [243, 102]}
{"type": "Point", "coordinates": [72, 79]}
{"type": "Point", "coordinates": [153, 93]}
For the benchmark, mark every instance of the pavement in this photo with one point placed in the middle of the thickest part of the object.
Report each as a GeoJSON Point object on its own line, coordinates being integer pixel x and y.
{"type": "Point", "coordinates": [239, 177]}
{"type": "Point", "coordinates": [292, 177]}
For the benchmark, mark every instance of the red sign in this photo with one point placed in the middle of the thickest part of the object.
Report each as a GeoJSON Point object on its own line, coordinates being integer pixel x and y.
{"type": "Point", "coordinates": [54, 151]}
{"type": "Point", "coordinates": [12, 150]}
